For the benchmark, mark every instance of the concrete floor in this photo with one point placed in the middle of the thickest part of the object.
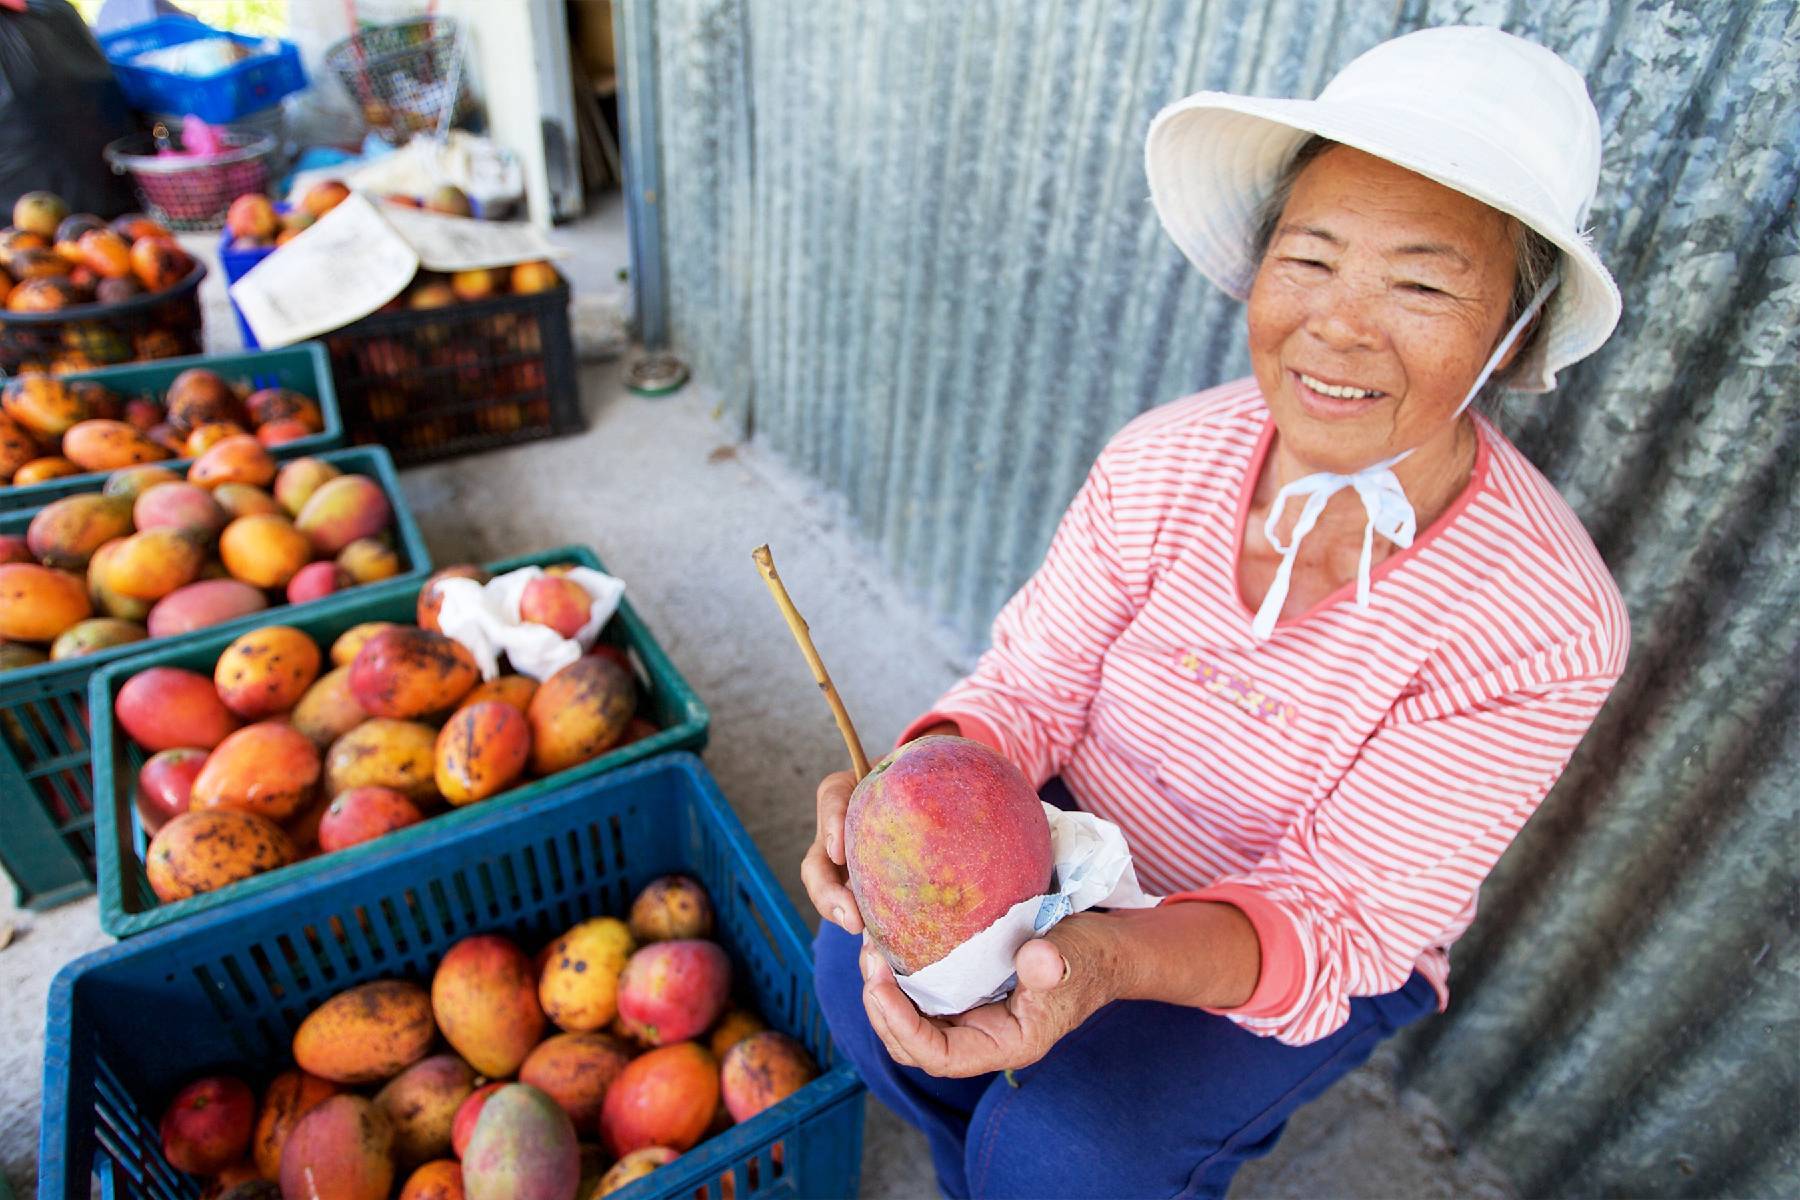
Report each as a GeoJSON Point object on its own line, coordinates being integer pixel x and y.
{"type": "Point", "coordinates": [674, 507]}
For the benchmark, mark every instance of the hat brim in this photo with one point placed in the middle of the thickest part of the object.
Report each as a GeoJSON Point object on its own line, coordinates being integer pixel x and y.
{"type": "Point", "coordinates": [1213, 160]}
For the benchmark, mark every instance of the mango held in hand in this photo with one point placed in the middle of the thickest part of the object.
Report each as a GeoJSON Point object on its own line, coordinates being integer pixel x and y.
{"type": "Point", "coordinates": [484, 996]}
{"type": "Point", "coordinates": [366, 1034]}
{"type": "Point", "coordinates": [406, 672]}
{"type": "Point", "coordinates": [523, 1148]}
{"type": "Point", "coordinates": [941, 838]}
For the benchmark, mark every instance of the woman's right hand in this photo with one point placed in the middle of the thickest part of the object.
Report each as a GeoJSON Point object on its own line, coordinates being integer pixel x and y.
{"type": "Point", "coordinates": [822, 870]}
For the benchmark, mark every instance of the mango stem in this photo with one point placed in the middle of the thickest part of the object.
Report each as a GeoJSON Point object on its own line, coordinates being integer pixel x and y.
{"type": "Point", "coordinates": [803, 637]}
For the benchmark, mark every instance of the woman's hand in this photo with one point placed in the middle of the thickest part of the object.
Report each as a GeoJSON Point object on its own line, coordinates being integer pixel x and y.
{"type": "Point", "coordinates": [822, 870]}
{"type": "Point", "coordinates": [1064, 977]}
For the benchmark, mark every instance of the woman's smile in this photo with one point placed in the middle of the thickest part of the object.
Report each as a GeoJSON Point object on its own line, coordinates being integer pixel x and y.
{"type": "Point", "coordinates": [1324, 400]}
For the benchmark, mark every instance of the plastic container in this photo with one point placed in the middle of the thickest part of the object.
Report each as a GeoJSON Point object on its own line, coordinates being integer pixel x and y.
{"type": "Point", "coordinates": [46, 777]}
{"type": "Point", "coordinates": [244, 87]}
{"type": "Point", "coordinates": [194, 194]}
{"type": "Point", "coordinates": [302, 368]}
{"type": "Point", "coordinates": [159, 325]}
{"type": "Point", "coordinates": [434, 383]}
{"type": "Point", "coordinates": [127, 905]}
{"type": "Point", "coordinates": [224, 992]}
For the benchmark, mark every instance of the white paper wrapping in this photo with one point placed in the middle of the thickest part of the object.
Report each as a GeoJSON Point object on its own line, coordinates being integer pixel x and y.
{"type": "Point", "coordinates": [1093, 870]}
{"type": "Point", "coordinates": [485, 619]}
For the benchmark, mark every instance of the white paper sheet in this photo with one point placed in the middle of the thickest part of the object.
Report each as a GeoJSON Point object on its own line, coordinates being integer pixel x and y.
{"type": "Point", "coordinates": [343, 267]}
{"type": "Point", "coordinates": [485, 619]}
{"type": "Point", "coordinates": [460, 244]}
{"type": "Point", "coordinates": [1093, 870]}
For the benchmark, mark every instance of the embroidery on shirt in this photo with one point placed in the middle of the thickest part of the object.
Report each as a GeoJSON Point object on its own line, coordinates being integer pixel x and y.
{"type": "Point", "coordinates": [1241, 693]}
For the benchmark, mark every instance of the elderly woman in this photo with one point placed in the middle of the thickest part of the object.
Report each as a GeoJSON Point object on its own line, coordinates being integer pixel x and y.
{"type": "Point", "coordinates": [1318, 641]}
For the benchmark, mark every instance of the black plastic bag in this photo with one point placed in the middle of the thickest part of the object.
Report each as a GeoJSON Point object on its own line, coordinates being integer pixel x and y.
{"type": "Point", "coordinates": [59, 107]}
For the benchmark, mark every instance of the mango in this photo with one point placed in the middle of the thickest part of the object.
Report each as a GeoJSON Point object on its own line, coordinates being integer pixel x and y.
{"type": "Point", "coordinates": [65, 533]}
{"type": "Point", "coordinates": [205, 437]}
{"type": "Point", "coordinates": [166, 707]}
{"type": "Point", "coordinates": [268, 768]}
{"type": "Point", "coordinates": [38, 603]}
{"type": "Point", "coordinates": [408, 672]}
{"type": "Point", "coordinates": [421, 1102]}
{"type": "Point", "coordinates": [633, 1167]}
{"type": "Point", "coordinates": [484, 997]}
{"type": "Point", "coordinates": [151, 564]}
{"type": "Point", "coordinates": [296, 481]}
{"type": "Point", "coordinates": [557, 602]}
{"type": "Point", "coordinates": [133, 482]}
{"type": "Point", "coordinates": [102, 445]}
{"type": "Point", "coordinates": [182, 507]}
{"type": "Point", "coordinates": [341, 1150]}
{"type": "Point", "coordinates": [431, 597]}
{"type": "Point", "coordinates": [736, 1025]}
{"type": "Point", "coordinates": [252, 216]}
{"type": "Point", "coordinates": [674, 990]}
{"type": "Point", "coordinates": [39, 212]}
{"type": "Point", "coordinates": [243, 500]}
{"type": "Point", "coordinates": [322, 197]}
{"type": "Point", "coordinates": [362, 814]}
{"type": "Point", "coordinates": [578, 988]}
{"type": "Point", "coordinates": [240, 459]}
{"type": "Point", "coordinates": [534, 276]}
{"type": "Point", "coordinates": [17, 448]}
{"type": "Point", "coordinates": [523, 1148]}
{"type": "Point", "coordinates": [280, 433]}
{"type": "Point", "coordinates": [269, 405]}
{"type": "Point", "coordinates": [266, 671]}
{"type": "Point", "coordinates": [367, 1033]}
{"type": "Point", "coordinates": [199, 397]}
{"type": "Point", "coordinates": [665, 1097]}
{"type": "Point", "coordinates": [341, 510]}
{"type": "Point", "coordinates": [13, 549]}
{"type": "Point", "coordinates": [158, 263]}
{"type": "Point", "coordinates": [467, 1114]}
{"type": "Point", "coordinates": [289, 1096]}
{"type": "Point", "coordinates": [515, 690]}
{"type": "Point", "coordinates": [165, 783]}
{"type": "Point", "coordinates": [382, 752]}
{"type": "Point", "coordinates": [207, 1125]}
{"type": "Point", "coordinates": [204, 603]}
{"type": "Point", "coordinates": [579, 713]}
{"type": "Point", "coordinates": [38, 470]}
{"type": "Point", "coordinates": [350, 642]}
{"type": "Point", "coordinates": [763, 1070]}
{"type": "Point", "coordinates": [481, 751]}
{"type": "Point", "coordinates": [94, 635]}
{"type": "Point", "coordinates": [264, 550]}
{"type": "Point", "coordinates": [105, 253]}
{"type": "Point", "coordinates": [941, 838]}
{"type": "Point", "coordinates": [575, 1069]}
{"type": "Point", "coordinates": [43, 405]}
{"type": "Point", "coordinates": [328, 710]}
{"type": "Point", "coordinates": [368, 560]}
{"type": "Point", "coordinates": [105, 601]}
{"type": "Point", "coordinates": [440, 1179]}
{"type": "Point", "coordinates": [671, 907]}
{"type": "Point", "coordinates": [316, 580]}
{"type": "Point", "coordinates": [204, 851]}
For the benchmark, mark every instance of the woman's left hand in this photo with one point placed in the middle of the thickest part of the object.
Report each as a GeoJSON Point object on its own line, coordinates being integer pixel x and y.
{"type": "Point", "coordinates": [1064, 978]}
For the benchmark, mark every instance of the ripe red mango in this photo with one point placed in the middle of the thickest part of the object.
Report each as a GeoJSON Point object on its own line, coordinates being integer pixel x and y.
{"type": "Point", "coordinates": [671, 991]}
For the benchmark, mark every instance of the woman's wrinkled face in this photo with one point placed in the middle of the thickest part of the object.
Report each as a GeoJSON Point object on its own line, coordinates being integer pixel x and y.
{"type": "Point", "coordinates": [1380, 298]}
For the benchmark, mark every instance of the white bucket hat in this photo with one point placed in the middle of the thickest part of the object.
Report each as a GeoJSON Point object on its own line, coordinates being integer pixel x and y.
{"type": "Point", "coordinates": [1491, 115]}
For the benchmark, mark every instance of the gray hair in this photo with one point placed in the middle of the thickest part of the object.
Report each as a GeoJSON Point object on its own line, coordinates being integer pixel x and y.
{"type": "Point", "coordinates": [1535, 256]}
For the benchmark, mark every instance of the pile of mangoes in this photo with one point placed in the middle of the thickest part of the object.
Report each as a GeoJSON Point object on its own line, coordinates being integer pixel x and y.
{"type": "Point", "coordinates": [153, 554]}
{"type": "Point", "coordinates": [254, 223]}
{"type": "Point", "coordinates": [51, 428]}
{"type": "Point", "coordinates": [51, 260]}
{"type": "Point", "coordinates": [289, 750]}
{"type": "Point", "coordinates": [449, 1088]}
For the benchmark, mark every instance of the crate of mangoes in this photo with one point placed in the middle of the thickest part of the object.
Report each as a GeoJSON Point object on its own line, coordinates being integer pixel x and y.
{"type": "Point", "coordinates": [232, 763]}
{"type": "Point", "coordinates": [154, 556]}
{"type": "Point", "coordinates": [606, 952]}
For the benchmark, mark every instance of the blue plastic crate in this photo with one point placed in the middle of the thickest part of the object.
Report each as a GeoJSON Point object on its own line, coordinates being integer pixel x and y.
{"type": "Point", "coordinates": [244, 87]}
{"type": "Point", "coordinates": [225, 991]}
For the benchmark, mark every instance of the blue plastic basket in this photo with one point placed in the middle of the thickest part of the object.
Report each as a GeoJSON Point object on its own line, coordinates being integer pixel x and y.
{"type": "Point", "coordinates": [244, 87]}
{"type": "Point", "coordinates": [224, 992]}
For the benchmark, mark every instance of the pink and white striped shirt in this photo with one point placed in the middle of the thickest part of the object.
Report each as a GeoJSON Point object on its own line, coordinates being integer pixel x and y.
{"type": "Point", "coordinates": [1350, 782]}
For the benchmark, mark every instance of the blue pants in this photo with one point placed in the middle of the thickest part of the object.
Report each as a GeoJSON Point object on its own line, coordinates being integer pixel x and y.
{"type": "Point", "coordinates": [1143, 1100]}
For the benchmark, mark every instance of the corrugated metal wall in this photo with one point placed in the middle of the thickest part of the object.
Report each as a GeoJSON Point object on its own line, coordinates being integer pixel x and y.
{"type": "Point", "coordinates": [910, 243]}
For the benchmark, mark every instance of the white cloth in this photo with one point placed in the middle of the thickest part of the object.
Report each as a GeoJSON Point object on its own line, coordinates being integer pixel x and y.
{"type": "Point", "coordinates": [485, 619]}
{"type": "Point", "coordinates": [1093, 870]}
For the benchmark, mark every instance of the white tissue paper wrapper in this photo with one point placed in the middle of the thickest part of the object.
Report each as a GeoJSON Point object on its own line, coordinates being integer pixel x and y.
{"type": "Point", "coordinates": [1093, 870]}
{"type": "Point", "coordinates": [485, 619]}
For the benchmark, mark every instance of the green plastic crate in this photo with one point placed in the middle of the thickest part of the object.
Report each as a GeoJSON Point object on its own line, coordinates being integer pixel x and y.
{"type": "Point", "coordinates": [46, 805]}
{"type": "Point", "coordinates": [128, 906]}
{"type": "Point", "coordinates": [304, 368]}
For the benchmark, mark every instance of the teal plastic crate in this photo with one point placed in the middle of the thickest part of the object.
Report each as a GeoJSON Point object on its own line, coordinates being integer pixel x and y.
{"type": "Point", "coordinates": [129, 1025]}
{"type": "Point", "coordinates": [46, 780]}
{"type": "Point", "coordinates": [304, 368]}
{"type": "Point", "coordinates": [127, 905]}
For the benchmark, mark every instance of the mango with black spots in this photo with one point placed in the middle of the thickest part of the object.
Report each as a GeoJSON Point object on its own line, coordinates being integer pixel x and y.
{"type": "Point", "coordinates": [406, 672]}
{"type": "Point", "coordinates": [579, 713]}
{"type": "Point", "coordinates": [481, 750]}
{"type": "Point", "coordinates": [367, 1033]}
{"type": "Point", "coordinates": [266, 671]}
{"type": "Point", "coordinates": [579, 984]}
{"type": "Point", "coordinates": [383, 752]}
{"type": "Point", "coordinates": [204, 851]}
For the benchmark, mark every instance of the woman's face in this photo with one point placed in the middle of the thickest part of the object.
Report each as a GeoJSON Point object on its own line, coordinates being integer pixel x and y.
{"type": "Point", "coordinates": [1380, 297]}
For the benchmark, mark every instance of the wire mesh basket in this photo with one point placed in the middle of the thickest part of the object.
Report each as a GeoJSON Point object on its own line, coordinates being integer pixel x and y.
{"type": "Point", "coordinates": [192, 194]}
{"type": "Point", "coordinates": [404, 76]}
